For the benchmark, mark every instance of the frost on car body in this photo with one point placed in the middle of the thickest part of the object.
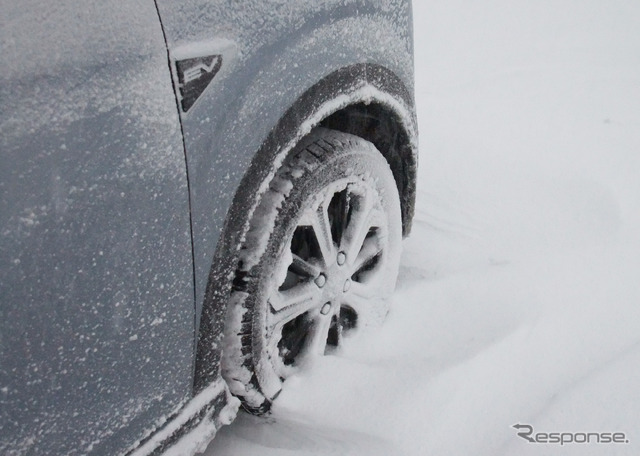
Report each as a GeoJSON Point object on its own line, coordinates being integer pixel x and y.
{"type": "Point", "coordinates": [121, 212]}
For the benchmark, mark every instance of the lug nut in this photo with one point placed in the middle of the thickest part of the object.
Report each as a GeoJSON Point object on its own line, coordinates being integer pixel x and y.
{"type": "Point", "coordinates": [321, 280]}
{"type": "Point", "coordinates": [326, 308]}
{"type": "Point", "coordinates": [346, 286]}
{"type": "Point", "coordinates": [342, 257]}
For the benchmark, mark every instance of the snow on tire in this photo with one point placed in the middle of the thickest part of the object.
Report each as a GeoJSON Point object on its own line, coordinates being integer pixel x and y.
{"type": "Point", "coordinates": [319, 261]}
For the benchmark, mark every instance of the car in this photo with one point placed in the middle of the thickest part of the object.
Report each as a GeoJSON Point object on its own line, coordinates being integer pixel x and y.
{"type": "Point", "coordinates": [197, 198]}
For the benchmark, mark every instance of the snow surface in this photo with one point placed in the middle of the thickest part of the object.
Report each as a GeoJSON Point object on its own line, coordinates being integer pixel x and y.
{"type": "Point", "coordinates": [518, 299]}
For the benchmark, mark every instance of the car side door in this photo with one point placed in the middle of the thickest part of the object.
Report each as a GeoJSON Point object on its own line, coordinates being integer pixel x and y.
{"type": "Point", "coordinates": [96, 267]}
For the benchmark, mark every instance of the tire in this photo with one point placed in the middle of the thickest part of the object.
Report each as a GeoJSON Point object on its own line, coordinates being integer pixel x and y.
{"type": "Point", "coordinates": [318, 263]}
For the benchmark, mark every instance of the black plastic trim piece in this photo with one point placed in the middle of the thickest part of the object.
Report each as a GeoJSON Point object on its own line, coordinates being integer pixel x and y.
{"type": "Point", "coordinates": [194, 75]}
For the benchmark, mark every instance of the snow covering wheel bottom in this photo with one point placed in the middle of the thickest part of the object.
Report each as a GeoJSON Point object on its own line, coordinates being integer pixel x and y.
{"type": "Point", "coordinates": [318, 261]}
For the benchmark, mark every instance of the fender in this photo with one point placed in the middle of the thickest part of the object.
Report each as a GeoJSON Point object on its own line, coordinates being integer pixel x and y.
{"type": "Point", "coordinates": [275, 84]}
{"type": "Point", "coordinates": [363, 84]}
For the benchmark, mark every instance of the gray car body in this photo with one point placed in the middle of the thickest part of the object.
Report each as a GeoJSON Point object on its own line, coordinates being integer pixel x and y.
{"type": "Point", "coordinates": [120, 212]}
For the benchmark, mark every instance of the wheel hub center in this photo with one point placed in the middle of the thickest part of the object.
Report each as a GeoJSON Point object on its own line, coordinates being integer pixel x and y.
{"type": "Point", "coordinates": [335, 280]}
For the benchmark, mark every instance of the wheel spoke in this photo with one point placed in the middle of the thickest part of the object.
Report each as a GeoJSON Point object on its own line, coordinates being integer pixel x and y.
{"type": "Point", "coordinates": [322, 228]}
{"type": "Point", "coordinates": [317, 338]}
{"type": "Point", "coordinates": [303, 268]}
{"type": "Point", "coordinates": [370, 249]}
{"type": "Point", "coordinates": [295, 301]}
{"type": "Point", "coordinates": [362, 306]}
{"type": "Point", "coordinates": [358, 227]}
{"type": "Point", "coordinates": [356, 302]}
{"type": "Point", "coordinates": [362, 291]}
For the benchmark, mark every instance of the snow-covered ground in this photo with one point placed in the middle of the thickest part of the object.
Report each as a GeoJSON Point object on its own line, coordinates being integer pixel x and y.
{"type": "Point", "coordinates": [519, 295]}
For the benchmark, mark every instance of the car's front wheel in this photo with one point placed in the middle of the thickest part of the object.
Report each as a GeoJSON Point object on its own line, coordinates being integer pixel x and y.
{"type": "Point", "coordinates": [319, 260]}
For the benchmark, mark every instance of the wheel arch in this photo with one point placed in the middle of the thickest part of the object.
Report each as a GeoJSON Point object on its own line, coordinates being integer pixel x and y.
{"type": "Point", "coordinates": [367, 100]}
{"type": "Point", "coordinates": [380, 125]}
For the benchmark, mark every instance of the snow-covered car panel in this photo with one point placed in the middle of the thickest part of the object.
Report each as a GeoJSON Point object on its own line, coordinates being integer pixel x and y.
{"type": "Point", "coordinates": [99, 350]}
{"type": "Point", "coordinates": [96, 288]}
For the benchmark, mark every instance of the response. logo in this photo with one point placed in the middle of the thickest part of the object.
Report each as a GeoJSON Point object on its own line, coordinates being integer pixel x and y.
{"type": "Point", "coordinates": [525, 431]}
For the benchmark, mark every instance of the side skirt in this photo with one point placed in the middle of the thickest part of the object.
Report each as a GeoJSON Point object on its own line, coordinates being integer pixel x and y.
{"type": "Point", "coordinates": [192, 428]}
